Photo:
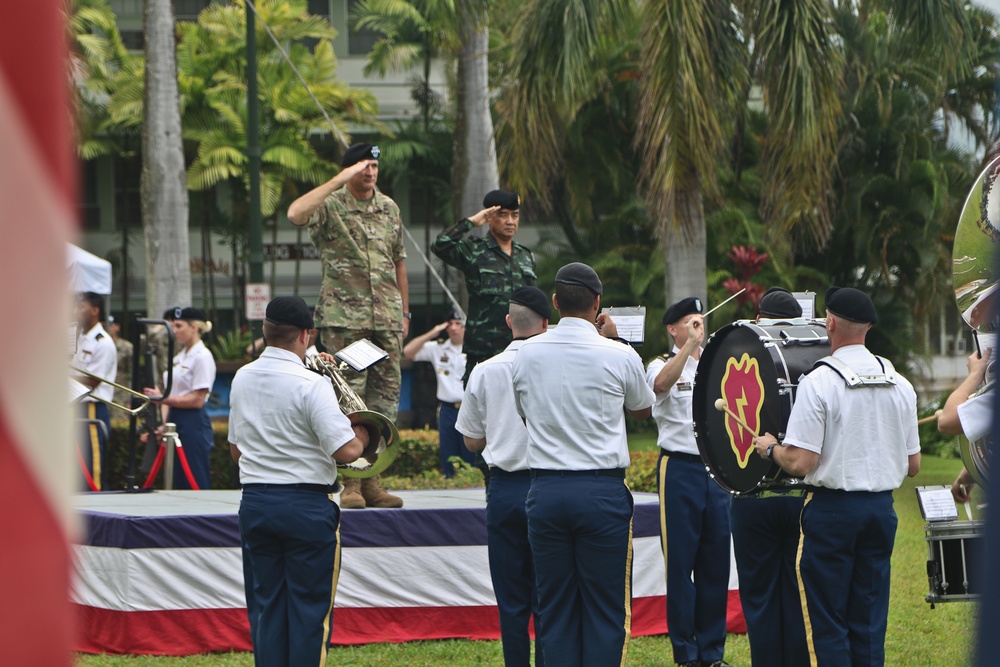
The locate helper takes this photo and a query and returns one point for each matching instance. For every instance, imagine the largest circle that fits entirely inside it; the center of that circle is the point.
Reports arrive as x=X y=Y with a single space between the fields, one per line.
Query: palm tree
x=163 y=190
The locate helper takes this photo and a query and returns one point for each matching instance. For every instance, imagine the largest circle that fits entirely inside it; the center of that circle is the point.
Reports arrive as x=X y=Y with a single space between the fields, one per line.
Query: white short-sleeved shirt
x=96 y=353
x=672 y=409
x=864 y=435
x=488 y=411
x=572 y=385
x=286 y=422
x=194 y=369
x=449 y=367
x=976 y=416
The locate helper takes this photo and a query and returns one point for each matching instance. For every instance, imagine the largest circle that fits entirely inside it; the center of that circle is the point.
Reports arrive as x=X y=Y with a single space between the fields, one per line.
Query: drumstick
x=931 y=418
x=724 y=303
x=721 y=406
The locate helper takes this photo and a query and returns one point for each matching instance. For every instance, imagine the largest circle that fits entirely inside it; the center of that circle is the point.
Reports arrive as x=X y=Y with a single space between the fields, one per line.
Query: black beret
x=676 y=311
x=456 y=315
x=188 y=313
x=501 y=198
x=533 y=298
x=851 y=304
x=359 y=152
x=778 y=302
x=577 y=273
x=289 y=310
x=169 y=313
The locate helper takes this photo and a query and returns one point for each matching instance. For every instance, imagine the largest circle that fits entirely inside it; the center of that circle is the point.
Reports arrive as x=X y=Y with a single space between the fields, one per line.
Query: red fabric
x=36 y=618
x=34 y=63
x=191 y=631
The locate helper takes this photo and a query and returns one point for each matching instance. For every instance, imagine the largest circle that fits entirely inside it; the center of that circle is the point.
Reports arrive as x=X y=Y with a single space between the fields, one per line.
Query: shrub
x=641 y=475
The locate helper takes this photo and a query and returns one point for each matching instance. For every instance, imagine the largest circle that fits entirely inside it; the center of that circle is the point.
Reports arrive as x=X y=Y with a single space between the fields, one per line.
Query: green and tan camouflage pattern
x=359 y=244
x=377 y=387
x=491 y=276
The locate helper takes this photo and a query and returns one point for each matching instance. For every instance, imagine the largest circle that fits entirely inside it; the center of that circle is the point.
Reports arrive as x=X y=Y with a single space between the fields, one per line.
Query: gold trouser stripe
x=333 y=594
x=95 y=445
x=813 y=660
x=662 y=475
x=628 y=592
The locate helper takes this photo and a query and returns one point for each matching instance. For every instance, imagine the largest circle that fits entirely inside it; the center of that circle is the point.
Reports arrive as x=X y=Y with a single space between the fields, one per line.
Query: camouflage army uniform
x=360 y=243
x=491 y=275
x=124 y=377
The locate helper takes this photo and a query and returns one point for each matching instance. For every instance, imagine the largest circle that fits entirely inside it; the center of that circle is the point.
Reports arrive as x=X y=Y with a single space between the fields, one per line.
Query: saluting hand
x=483 y=216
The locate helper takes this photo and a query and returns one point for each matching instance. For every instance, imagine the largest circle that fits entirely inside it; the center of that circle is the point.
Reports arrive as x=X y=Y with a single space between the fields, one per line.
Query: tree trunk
x=475 y=157
x=163 y=189
x=684 y=252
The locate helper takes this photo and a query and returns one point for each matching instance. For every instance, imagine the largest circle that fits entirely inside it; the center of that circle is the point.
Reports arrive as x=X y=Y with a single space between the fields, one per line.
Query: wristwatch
x=770 y=452
x=408 y=316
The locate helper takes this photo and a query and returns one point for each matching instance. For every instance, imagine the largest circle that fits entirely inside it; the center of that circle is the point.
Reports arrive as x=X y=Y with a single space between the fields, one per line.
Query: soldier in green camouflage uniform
x=359 y=233
x=124 y=377
x=494 y=267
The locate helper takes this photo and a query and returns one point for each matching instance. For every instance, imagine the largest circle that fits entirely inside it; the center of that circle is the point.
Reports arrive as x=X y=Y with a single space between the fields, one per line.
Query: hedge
x=415 y=467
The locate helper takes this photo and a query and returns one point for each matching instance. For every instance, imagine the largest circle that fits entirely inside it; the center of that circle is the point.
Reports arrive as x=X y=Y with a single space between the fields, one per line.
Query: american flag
x=37 y=188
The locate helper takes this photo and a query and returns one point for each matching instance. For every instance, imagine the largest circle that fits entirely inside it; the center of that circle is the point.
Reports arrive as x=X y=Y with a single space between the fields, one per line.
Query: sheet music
x=630 y=322
x=362 y=354
x=937 y=503
x=808 y=302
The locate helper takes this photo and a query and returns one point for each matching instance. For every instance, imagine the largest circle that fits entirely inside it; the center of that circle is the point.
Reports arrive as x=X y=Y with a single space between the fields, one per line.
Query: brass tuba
x=382 y=433
x=977 y=290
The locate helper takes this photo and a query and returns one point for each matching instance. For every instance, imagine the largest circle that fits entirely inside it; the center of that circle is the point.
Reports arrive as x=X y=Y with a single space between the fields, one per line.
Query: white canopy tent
x=87 y=272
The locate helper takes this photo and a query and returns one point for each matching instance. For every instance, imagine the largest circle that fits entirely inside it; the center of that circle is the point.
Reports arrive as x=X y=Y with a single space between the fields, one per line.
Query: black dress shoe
x=690 y=663
x=717 y=663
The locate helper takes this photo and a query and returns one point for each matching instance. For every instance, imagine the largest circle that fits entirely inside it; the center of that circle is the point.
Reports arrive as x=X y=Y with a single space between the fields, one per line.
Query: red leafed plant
x=748 y=262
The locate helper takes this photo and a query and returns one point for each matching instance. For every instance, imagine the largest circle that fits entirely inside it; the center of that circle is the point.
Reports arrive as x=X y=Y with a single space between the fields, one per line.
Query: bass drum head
x=736 y=367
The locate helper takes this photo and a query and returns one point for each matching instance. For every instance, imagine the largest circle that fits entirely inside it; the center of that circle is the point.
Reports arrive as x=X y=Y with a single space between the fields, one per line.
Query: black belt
x=452 y=404
x=500 y=472
x=618 y=473
x=322 y=488
x=690 y=458
x=774 y=492
x=842 y=492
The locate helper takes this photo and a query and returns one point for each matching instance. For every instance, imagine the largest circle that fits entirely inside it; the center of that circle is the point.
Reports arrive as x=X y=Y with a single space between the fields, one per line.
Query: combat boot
x=350 y=497
x=375 y=496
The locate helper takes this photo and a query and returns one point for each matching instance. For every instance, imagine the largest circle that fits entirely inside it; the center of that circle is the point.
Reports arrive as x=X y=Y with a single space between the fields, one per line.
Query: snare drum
x=953 y=558
x=755 y=368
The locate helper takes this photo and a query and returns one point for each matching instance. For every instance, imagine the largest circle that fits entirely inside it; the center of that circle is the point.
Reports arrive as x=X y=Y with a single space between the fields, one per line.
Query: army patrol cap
x=778 y=302
x=851 y=304
x=501 y=198
x=676 y=311
x=577 y=273
x=533 y=298
x=359 y=152
x=290 y=310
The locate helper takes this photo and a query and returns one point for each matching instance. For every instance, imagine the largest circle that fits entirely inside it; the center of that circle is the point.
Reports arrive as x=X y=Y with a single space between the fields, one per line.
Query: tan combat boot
x=350 y=497
x=375 y=495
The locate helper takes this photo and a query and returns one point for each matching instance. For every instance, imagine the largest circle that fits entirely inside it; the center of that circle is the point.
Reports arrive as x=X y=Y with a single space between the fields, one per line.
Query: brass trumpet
x=382 y=433
x=132 y=411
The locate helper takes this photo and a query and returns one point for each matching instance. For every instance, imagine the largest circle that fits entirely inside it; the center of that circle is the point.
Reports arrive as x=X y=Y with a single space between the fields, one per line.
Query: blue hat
x=676 y=311
x=359 y=152
x=290 y=310
x=533 y=298
x=851 y=304
x=577 y=273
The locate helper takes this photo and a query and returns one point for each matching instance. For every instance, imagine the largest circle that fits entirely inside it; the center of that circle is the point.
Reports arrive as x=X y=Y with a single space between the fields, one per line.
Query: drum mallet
x=931 y=418
x=721 y=406
x=724 y=303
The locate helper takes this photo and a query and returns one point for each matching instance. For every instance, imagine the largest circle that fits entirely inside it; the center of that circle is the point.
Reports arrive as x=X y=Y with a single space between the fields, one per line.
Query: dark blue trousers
x=194 y=428
x=94 y=444
x=766 y=542
x=511 y=566
x=292 y=537
x=847 y=540
x=451 y=441
x=694 y=518
x=580 y=531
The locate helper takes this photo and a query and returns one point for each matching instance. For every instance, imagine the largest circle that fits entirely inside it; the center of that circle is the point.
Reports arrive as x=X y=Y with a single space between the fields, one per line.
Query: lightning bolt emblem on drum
x=743 y=391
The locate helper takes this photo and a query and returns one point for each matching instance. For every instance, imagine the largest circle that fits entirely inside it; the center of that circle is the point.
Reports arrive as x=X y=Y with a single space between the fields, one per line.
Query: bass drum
x=754 y=367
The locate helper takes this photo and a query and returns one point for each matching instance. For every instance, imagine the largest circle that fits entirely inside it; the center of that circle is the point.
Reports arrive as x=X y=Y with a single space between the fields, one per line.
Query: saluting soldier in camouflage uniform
x=359 y=234
x=494 y=267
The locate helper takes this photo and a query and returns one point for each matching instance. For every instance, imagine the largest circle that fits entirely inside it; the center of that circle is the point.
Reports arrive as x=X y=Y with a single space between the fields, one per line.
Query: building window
x=359 y=42
x=319 y=8
x=188 y=10
x=128 y=202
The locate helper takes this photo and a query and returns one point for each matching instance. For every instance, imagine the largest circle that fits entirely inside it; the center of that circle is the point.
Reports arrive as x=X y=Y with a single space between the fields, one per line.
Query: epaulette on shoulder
x=667 y=357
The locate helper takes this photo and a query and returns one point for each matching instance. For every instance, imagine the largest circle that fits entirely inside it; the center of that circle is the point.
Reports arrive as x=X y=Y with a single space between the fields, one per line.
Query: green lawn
x=918 y=635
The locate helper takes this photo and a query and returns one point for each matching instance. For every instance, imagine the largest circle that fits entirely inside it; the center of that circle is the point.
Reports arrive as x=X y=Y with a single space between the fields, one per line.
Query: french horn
x=976 y=290
x=382 y=433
